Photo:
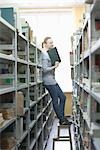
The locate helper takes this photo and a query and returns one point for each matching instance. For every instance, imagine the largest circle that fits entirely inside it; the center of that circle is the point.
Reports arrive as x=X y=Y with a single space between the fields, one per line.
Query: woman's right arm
x=45 y=66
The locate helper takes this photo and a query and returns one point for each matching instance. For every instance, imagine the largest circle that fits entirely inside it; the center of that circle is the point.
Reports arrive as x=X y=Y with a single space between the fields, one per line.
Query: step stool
x=60 y=140
x=63 y=138
x=64 y=127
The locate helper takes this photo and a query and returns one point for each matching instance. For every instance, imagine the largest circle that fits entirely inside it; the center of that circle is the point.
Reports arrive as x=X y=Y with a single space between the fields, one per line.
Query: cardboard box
x=20 y=103
x=7 y=141
x=31 y=35
x=8 y=113
x=68 y=104
x=1 y=120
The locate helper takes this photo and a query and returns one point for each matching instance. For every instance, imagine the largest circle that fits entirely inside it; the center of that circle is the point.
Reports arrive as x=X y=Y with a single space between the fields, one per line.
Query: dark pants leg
x=58 y=99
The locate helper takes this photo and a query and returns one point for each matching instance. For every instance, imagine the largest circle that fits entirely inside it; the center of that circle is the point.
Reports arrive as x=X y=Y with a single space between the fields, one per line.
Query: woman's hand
x=56 y=64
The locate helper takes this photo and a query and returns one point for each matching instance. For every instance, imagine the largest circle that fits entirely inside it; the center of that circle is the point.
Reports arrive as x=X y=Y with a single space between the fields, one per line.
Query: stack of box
x=8 y=113
x=8 y=141
x=20 y=103
x=1 y=120
x=26 y=30
x=96 y=86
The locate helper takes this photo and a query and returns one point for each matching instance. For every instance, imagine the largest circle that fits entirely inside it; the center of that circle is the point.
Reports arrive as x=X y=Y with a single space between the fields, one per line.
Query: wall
x=78 y=16
x=58 y=25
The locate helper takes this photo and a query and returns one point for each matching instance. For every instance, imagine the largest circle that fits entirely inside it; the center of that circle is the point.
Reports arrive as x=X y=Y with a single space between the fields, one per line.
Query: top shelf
x=95 y=6
x=96 y=46
x=6 y=31
x=96 y=142
x=6 y=25
x=88 y=1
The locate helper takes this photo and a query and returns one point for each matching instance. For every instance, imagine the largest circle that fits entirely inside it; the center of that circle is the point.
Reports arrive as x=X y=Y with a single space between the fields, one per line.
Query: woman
x=57 y=95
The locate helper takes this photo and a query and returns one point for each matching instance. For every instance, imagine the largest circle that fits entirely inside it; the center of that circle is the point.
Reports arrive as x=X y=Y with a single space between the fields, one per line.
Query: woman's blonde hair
x=46 y=39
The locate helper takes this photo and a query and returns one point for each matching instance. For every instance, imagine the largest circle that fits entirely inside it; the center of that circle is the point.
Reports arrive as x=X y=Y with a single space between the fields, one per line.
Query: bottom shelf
x=96 y=143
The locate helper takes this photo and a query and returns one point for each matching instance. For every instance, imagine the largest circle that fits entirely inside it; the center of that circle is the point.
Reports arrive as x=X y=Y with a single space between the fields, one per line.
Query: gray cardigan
x=48 y=74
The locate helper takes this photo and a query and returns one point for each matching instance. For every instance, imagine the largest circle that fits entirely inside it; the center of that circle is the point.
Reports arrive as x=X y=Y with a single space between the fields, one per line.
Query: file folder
x=54 y=55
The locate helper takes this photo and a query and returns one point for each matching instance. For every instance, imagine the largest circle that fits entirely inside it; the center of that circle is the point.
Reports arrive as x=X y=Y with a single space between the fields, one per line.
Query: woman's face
x=49 y=44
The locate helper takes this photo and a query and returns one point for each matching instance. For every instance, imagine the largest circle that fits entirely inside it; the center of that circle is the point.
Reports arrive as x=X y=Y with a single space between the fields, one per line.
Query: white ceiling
x=41 y=3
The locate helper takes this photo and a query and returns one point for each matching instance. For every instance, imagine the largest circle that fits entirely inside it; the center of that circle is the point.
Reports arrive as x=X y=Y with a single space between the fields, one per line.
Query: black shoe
x=65 y=122
x=71 y=121
x=68 y=119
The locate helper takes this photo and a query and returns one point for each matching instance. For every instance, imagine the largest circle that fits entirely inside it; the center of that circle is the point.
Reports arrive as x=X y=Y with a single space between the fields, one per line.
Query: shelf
x=7 y=123
x=39 y=66
x=96 y=95
x=96 y=46
x=22 y=86
x=86 y=72
x=32 y=83
x=81 y=135
x=49 y=115
x=86 y=54
x=86 y=89
x=32 y=144
x=39 y=115
x=96 y=142
x=32 y=64
x=86 y=118
x=95 y=6
x=32 y=103
x=5 y=76
x=5 y=26
x=38 y=134
x=44 y=94
x=25 y=110
x=46 y=106
x=7 y=57
x=21 y=75
x=86 y=20
x=44 y=144
x=33 y=44
x=39 y=82
x=31 y=125
x=22 y=137
x=39 y=98
x=6 y=89
x=89 y=1
x=22 y=61
x=23 y=37
x=95 y=129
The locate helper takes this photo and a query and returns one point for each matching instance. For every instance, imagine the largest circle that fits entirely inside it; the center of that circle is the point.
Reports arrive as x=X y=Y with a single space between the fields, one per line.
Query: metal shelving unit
x=86 y=91
x=23 y=99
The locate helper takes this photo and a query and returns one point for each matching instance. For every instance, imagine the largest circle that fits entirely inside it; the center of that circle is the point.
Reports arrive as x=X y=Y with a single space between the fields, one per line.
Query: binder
x=8 y=15
x=54 y=55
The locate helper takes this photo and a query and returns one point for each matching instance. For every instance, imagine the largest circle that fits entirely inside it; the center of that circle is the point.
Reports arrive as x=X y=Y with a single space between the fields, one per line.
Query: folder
x=54 y=55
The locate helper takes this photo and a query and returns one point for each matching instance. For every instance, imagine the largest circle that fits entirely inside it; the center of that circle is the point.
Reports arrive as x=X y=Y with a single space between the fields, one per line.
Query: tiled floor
x=59 y=145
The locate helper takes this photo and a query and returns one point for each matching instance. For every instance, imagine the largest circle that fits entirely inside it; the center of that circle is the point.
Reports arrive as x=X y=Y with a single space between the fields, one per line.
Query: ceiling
x=41 y=3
